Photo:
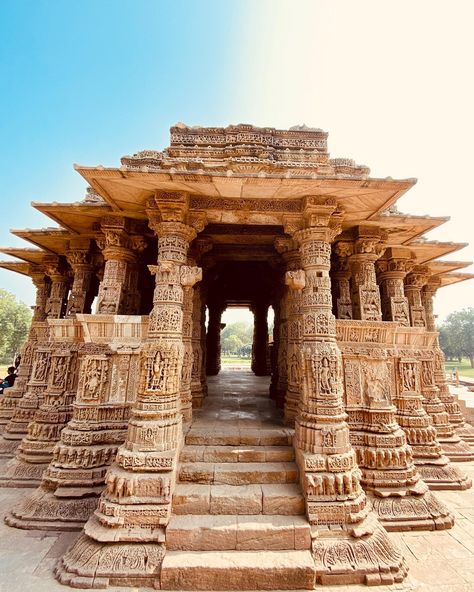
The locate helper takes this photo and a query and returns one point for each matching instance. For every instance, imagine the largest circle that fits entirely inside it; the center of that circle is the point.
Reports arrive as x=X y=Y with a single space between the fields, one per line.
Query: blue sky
x=89 y=81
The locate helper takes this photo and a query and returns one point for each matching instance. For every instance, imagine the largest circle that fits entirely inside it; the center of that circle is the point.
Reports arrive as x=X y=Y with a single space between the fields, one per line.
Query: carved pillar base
x=74 y=479
x=364 y=555
x=93 y=564
x=24 y=413
x=36 y=449
x=452 y=445
x=434 y=468
x=390 y=479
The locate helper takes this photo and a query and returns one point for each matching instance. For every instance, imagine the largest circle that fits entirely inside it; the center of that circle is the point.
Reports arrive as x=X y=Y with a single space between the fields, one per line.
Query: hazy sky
x=90 y=81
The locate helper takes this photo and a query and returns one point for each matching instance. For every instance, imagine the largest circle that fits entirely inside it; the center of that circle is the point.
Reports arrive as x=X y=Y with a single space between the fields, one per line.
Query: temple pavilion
x=181 y=475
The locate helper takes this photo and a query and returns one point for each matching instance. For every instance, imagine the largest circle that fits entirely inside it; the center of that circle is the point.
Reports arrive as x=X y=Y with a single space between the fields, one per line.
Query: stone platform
x=229 y=498
x=439 y=561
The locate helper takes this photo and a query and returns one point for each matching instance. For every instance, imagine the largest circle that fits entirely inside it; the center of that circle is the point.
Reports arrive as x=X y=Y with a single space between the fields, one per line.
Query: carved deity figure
x=408 y=375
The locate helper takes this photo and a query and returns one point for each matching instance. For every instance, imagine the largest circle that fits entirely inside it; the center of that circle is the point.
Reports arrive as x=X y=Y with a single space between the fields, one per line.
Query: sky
x=87 y=82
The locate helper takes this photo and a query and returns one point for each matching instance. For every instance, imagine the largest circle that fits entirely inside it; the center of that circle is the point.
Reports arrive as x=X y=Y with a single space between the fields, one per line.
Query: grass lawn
x=464 y=368
x=233 y=361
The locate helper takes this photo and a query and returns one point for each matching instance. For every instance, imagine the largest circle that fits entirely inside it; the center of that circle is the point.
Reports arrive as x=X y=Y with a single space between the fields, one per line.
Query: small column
x=198 y=374
x=279 y=351
x=341 y=276
x=11 y=396
x=135 y=507
x=392 y=269
x=414 y=282
x=213 y=338
x=118 y=290
x=260 y=339
x=456 y=437
x=365 y=292
x=336 y=505
x=294 y=283
x=79 y=258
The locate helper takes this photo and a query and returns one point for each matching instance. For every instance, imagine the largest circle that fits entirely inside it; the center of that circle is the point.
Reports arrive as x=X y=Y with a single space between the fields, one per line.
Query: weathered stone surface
x=238 y=570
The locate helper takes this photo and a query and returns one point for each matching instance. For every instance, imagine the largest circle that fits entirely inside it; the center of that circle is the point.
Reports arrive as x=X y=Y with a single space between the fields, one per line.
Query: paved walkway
x=439 y=561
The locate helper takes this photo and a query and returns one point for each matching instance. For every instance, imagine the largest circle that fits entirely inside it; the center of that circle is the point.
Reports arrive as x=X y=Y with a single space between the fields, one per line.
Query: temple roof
x=242 y=175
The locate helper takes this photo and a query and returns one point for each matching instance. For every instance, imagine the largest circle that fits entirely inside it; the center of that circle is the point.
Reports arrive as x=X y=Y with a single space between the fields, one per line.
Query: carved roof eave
x=440 y=267
x=83 y=210
x=427 y=251
x=17 y=266
x=139 y=185
x=53 y=240
x=26 y=254
x=448 y=279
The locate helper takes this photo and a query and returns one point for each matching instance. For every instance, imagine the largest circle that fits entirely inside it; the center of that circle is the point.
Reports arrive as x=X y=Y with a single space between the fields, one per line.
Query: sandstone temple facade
x=116 y=429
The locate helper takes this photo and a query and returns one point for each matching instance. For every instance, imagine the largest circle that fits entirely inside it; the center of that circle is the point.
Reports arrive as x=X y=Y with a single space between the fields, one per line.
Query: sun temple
x=180 y=475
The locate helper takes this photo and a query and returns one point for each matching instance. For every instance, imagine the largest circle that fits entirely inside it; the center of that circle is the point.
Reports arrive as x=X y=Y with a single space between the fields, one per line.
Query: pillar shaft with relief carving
x=336 y=504
x=136 y=504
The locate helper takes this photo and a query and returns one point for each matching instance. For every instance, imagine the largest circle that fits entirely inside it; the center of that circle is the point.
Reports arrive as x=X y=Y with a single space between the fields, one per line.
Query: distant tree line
x=236 y=339
x=15 y=320
x=456 y=335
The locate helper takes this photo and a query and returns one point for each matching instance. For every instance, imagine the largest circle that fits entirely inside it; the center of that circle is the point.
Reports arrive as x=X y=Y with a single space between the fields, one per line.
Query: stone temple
x=183 y=477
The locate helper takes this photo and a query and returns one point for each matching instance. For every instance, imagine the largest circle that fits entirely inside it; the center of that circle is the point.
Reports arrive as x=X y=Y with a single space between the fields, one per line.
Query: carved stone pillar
x=118 y=290
x=290 y=355
x=24 y=413
x=341 y=276
x=279 y=352
x=432 y=465
x=78 y=256
x=414 y=282
x=198 y=375
x=107 y=383
x=392 y=268
x=213 y=338
x=260 y=339
x=365 y=291
x=185 y=395
x=12 y=395
x=336 y=505
x=455 y=435
x=135 y=507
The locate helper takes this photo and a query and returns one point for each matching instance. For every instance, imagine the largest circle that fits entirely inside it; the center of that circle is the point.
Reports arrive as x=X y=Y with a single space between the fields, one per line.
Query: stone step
x=240 y=436
x=237 y=453
x=274 y=498
x=238 y=473
x=238 y=570
x=241 y=533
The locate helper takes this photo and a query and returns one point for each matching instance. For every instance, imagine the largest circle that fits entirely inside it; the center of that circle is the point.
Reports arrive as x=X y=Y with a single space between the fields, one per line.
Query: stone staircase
x=238 y=515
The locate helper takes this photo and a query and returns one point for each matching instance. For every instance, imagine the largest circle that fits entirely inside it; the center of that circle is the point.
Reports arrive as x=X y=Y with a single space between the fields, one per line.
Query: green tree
x=15 y=319
x=457 y=335
x=237 y=337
